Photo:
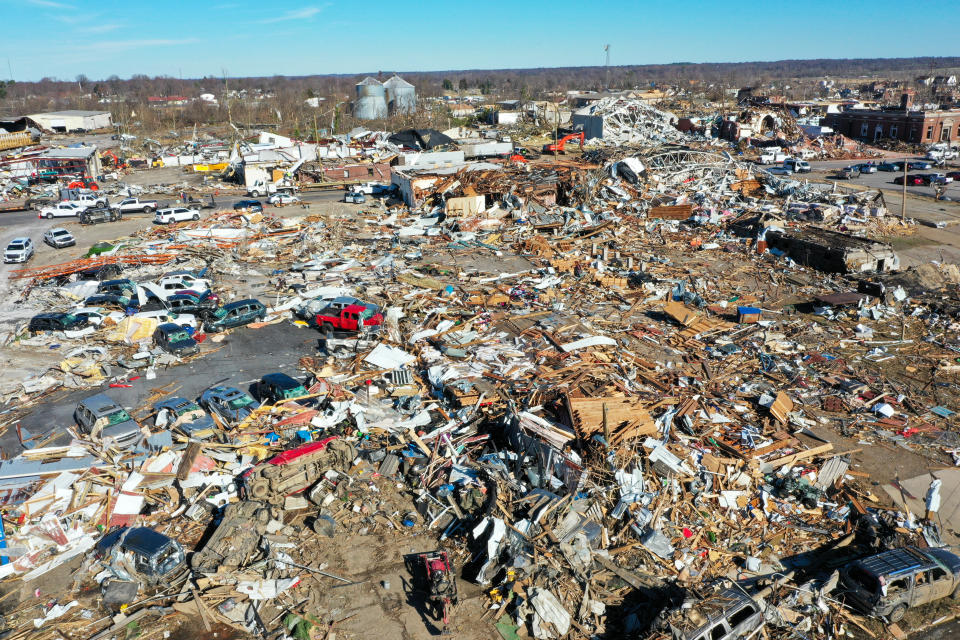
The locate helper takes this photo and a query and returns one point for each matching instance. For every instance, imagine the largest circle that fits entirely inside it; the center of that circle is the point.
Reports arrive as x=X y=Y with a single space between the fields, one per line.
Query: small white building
x=506 y=117
x=72 y=120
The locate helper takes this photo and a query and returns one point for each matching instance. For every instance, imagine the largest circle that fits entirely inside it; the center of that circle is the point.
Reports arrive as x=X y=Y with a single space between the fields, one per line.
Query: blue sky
x=63 y=38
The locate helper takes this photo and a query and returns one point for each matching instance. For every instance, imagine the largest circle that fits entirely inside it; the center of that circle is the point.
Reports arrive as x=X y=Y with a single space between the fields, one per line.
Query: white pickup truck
x=135 y=205
x=90 y=200
x=63 y=210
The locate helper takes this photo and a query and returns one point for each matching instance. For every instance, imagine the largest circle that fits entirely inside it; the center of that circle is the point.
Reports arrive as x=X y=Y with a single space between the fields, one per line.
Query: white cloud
x=100 y=28
x=124 y=45
x=49 y=3
x=298 y=14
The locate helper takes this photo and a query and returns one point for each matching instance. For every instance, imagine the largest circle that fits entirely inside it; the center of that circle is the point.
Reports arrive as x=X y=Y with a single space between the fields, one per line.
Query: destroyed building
x=833 y=251
x=72 y=120
x=585 y=391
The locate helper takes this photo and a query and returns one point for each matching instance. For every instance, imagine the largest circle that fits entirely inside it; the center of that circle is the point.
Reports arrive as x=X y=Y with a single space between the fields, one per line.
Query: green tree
x=463 y=84
x=447 y=85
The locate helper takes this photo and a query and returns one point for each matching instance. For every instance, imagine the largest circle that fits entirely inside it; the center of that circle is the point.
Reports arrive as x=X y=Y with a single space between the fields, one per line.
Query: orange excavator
x=560 y=146
x=117 y=162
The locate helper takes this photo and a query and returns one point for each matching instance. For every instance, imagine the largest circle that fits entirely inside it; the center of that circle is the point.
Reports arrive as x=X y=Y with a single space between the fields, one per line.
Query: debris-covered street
x=391 y=384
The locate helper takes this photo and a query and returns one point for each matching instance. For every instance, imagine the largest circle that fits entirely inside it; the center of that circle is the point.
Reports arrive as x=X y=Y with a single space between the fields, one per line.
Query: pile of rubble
x=628 y=122
x=635 y=405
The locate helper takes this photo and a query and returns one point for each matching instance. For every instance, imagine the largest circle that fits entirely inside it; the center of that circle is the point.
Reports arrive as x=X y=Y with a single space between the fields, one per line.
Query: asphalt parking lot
x=884 y=179
x=243 y=357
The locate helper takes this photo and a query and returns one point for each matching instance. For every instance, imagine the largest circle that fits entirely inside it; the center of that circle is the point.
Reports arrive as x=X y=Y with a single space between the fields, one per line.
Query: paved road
x=243 y=358
x=884 y=179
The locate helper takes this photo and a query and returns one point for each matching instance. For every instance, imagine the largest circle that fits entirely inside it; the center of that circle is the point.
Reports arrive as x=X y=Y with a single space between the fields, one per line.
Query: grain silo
x=401 y=95
x=371 y=102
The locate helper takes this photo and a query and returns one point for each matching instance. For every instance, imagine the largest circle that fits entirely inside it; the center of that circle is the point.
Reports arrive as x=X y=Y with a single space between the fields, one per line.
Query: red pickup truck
x=348 y=318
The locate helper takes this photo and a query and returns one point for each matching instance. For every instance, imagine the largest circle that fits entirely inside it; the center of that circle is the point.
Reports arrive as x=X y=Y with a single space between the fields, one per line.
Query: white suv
x=175 y=214
x=19 y=250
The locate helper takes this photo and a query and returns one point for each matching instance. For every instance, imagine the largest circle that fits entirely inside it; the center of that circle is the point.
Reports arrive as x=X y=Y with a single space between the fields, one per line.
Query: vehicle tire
x=49 y=216
x=259 y=489
x=196 y=216
x=148 y=210
x=898 y=612
x=255 y=194
x=327 y=328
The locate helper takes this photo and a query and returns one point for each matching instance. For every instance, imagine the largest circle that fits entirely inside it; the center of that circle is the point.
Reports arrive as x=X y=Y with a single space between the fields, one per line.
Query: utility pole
x=903 y=203
x=606 y=49
x=226 y=95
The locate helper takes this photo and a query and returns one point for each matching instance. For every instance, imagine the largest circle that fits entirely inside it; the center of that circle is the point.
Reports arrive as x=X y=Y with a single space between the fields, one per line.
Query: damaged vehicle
x=186 y=415
x=888 y=583
x=230 y=404
x=136 y=558
x=235 y=314
x=101 y=417
x=279 y=387
x=56 y=322
x=236 y=541
x=297 y=469
x=727 y=614
x=175 y=340
x=186 y=303
x=350 y=318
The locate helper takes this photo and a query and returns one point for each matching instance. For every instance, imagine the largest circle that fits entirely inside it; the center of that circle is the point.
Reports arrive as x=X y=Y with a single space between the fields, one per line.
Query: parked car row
x=102 y=417
x=927 y=179
x=20 y=250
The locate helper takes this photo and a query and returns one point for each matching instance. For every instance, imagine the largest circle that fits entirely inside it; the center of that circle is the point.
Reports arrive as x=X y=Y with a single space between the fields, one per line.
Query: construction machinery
x=117 y=162
x=84 y=182
x=442 y=583
x=522 y=154
x=560 y=146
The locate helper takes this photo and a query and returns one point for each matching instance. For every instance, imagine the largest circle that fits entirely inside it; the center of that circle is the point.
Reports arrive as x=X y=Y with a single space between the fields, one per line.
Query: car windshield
x=15 y=246
x=60 y=234
x=187 y=407
x=70 y=318
x=296 y=392
x=219 y=313
x=240 y=402
x=179 y=336
x=117 y=417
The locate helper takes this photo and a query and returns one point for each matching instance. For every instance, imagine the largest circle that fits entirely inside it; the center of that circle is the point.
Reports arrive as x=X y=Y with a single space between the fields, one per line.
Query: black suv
x=201 y=306
x=100 y=214
x=174 y=339
x=277 y=387
x=56 y=322
x=153 y=557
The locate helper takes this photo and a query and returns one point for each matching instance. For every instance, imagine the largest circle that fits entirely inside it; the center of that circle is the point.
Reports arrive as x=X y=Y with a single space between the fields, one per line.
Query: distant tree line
x=281 y=100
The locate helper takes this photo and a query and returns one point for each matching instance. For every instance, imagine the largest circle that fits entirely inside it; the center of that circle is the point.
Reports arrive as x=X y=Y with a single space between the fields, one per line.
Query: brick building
x=900 y=124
